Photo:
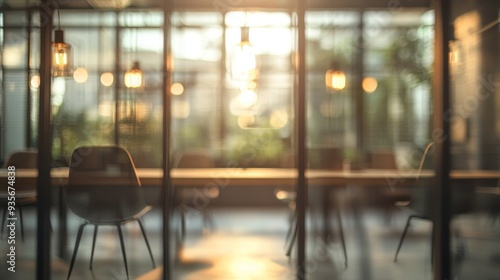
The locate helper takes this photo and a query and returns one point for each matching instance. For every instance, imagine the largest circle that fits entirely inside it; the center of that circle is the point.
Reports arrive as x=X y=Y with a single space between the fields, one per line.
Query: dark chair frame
x=24 y=159
x=85 y=190
x=420 y=203
x=194 y=158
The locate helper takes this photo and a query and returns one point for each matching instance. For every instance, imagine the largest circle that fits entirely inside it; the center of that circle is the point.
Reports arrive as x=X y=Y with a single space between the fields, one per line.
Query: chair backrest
x=462 y=197
x=103 y=186
x=26 y=159
x=197 y=158
x=421 y=199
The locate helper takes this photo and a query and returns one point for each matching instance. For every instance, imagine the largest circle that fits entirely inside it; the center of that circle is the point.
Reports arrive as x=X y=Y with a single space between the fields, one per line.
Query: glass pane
x=85 y=19
x=141 y=19
x=368 y=127
x=241 y=127
x=14 y=49
x=397 y=82
x=193 y=18
x=474 y=124
x=84 y=115
x=17 y=196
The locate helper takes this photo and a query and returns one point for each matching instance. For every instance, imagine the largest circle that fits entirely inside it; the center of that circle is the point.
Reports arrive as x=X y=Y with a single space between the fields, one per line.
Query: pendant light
x=62 y=56
x=244 y=59
x=134 y=77
x=335 y=78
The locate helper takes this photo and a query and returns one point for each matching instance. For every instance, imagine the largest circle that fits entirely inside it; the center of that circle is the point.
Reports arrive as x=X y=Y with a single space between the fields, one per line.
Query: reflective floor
x=248 y=244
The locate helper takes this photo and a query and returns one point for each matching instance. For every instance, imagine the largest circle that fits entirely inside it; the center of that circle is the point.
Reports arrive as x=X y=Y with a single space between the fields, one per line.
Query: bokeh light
x=369 y=84
x=80 y=75
x=177 y=89
x=107 y=79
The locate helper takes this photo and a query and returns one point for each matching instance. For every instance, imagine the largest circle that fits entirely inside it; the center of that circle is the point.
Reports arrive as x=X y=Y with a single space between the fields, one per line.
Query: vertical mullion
x=441 y=230
x=358 y=94
x=118 y=30
x=44 y=144
x=166 y=190
x=28 y=76
x=301 y=198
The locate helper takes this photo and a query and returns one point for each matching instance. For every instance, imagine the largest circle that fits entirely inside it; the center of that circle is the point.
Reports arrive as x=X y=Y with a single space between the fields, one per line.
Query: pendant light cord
x=58 y=18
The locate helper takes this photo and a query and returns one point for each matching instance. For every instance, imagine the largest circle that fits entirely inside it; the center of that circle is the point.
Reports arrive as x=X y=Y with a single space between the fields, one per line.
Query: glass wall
x=234 y=82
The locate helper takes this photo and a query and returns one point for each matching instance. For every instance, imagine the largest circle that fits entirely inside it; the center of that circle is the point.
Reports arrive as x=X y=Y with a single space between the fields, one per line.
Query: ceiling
x=221 y=5
x=82 y=4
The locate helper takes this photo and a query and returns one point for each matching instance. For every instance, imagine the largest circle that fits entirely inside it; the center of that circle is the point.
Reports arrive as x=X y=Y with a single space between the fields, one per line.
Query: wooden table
x=230 y=176
x=252 y=177
x=266 y=176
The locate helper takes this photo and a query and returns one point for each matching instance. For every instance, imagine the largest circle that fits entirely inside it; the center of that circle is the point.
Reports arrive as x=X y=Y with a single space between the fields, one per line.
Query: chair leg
x=290 y=229
x=292 y=241
x=93 y=246
x=403 y=237
x=120 y=233
x=208 y=221
x=75 y=250
x=147 y=242
x=461 y=246
x=432 y=249
x=183 y=225
x=341 y=233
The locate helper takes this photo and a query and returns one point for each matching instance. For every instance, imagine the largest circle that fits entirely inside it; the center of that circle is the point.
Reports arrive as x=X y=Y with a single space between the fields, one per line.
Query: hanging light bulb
x=335 y=79
x=134 y=77
x=62 y=57
x=244 y=59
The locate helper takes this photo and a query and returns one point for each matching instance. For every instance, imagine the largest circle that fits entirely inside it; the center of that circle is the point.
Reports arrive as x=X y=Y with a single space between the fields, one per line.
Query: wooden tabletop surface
x=267 y=176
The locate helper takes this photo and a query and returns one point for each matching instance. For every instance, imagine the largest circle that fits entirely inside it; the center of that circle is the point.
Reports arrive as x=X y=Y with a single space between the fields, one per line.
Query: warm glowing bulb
x=133 y=77
x=61 y=58
x=338 y=80
x=62 y=61
x=244 y=62
x=335 y=79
